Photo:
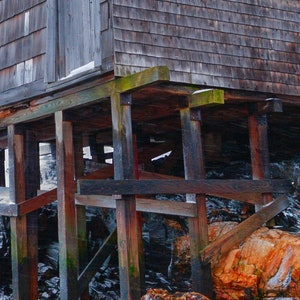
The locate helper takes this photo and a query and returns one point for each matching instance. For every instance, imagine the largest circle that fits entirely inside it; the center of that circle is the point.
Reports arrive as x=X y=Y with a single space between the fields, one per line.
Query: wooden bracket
x=270 y=105
x=206 y=97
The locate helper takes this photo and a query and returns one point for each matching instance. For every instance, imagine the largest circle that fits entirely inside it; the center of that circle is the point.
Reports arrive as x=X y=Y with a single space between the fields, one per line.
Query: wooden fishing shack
x=127 y=74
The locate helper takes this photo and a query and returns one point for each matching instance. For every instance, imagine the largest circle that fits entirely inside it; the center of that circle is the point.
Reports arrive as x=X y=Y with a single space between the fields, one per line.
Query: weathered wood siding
x=45 y=41
x=22 y=42
x=247 y=44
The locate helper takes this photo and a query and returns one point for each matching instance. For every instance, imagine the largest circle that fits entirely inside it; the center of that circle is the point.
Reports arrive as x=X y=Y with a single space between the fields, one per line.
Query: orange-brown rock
x=160 y=294
x=265 y=265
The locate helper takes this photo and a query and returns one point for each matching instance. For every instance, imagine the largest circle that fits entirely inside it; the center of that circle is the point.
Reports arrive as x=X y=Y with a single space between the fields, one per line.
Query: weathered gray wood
x=127 y=221
x=51 y=42
x=18 y=225
x=259 y=148
x=201 y=186
x=81 y=213
x=194 y=168
x=68 y=251
x=254 y=198
x=96 y=93
x=142 y=205
x=95 y=36
x=101 y=255
x=2 y=169
x=36 y=202
x=32 y=181
x=174 y=31
x=229 y=240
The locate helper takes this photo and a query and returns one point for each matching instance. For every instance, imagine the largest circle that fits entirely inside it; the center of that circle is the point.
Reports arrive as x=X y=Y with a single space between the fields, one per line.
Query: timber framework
x=124 y=113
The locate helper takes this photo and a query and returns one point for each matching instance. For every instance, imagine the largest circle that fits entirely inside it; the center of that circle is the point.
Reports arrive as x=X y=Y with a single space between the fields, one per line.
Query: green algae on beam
x=87 y=96
x=142 y=79
x=206 y=97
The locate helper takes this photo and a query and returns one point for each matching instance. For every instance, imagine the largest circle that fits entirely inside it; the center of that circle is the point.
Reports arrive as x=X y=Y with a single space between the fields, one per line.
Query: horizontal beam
x=167 y=207
x=37 y=202
x=206 y=97
x=235 y=236
x=143 y=187
x=253 y=198
x=102 y=91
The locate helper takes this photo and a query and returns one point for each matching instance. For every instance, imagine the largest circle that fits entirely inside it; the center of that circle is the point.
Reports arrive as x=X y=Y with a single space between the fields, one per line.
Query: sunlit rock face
x=265 y=265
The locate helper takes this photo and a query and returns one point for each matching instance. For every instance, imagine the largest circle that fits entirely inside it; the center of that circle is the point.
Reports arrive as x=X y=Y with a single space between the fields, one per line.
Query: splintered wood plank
x=68 y=252
x=18 y=225
x=90 y=95
x=127 y=221
x=99 y=258
x=199 y=186
x=194 y=168
x=231 y=239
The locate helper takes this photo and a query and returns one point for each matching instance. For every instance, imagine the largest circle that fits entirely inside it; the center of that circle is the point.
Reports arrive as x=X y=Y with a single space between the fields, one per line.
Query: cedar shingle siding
x=250 y=44
x=22 y=42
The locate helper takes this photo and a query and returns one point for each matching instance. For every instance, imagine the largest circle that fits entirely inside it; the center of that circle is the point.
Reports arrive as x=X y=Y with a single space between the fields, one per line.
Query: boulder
x=265 y=265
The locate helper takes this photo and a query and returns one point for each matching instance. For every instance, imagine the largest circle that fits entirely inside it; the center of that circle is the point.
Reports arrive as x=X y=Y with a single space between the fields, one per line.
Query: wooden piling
x=18 y=225
x=68 y=251
x=32 y=181
x=127 y=221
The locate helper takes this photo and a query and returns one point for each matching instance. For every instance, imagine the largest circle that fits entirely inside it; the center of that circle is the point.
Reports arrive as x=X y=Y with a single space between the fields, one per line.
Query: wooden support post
x=139 y=217
x=18 y=225
x=2 y=167
x=81 y=212
x=198 y=228
x=127 y=222
x=68 y=252
x=194 y=169
x=32 y=181
x=258 y=136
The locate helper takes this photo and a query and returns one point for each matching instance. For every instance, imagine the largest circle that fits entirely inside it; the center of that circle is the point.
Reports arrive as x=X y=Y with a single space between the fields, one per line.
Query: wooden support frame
x=68 y=251
x=18 y=225
x=89 y=271
x=142 y=205
x=193 y=157
x=97 y=93
x=124 y=187
x=32 y=182
x=2 y=168
x=127 y=221
x=196 y=186
x=81 y=214
x=258 y=136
